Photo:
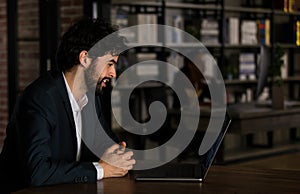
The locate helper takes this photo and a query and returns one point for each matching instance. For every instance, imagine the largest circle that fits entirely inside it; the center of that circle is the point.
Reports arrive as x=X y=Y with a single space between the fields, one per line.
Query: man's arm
x=44 y=170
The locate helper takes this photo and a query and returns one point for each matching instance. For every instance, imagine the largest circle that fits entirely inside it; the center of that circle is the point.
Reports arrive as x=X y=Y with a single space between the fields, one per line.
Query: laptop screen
x=209 y=156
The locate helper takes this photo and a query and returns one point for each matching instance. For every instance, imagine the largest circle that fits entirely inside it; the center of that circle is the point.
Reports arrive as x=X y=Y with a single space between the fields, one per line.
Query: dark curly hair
x=84 y=35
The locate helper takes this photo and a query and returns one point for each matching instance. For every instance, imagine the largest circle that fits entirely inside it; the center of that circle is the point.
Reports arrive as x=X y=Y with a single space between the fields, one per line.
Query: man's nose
x=112 y=72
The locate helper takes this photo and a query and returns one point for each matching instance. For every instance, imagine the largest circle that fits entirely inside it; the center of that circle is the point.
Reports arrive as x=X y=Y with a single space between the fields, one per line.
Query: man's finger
x=127 y=163
x=127 y=155
x=122 y=147
x=113 y=148
x=123 y=144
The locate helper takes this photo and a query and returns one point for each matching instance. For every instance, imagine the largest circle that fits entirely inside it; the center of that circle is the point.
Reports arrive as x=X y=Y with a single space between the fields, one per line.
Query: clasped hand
x=116 y=161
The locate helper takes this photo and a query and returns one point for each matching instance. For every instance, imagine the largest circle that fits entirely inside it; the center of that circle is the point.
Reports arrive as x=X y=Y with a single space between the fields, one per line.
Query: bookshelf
x=276 y=15
x=245 y=13
x=262 y=21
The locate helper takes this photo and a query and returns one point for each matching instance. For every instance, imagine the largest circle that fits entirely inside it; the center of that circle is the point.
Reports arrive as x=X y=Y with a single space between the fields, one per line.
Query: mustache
x=99 y=91
x=102 y=80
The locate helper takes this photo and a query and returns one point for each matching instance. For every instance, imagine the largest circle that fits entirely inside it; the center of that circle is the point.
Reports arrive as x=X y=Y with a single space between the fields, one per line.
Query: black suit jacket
x=40 y=147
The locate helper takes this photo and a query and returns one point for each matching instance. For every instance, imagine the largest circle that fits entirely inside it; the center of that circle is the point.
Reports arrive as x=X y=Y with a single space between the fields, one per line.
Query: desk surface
x=221 y=179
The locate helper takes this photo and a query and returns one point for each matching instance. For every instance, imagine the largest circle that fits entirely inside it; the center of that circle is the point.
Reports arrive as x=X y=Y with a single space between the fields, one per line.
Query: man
x=43 y=145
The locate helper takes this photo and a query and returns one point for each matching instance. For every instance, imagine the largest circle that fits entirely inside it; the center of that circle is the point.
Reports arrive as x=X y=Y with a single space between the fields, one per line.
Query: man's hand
x=116 y=162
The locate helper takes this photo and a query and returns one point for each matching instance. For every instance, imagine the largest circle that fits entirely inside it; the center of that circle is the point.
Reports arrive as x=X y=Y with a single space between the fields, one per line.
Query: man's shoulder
x=45 y=86
x=44 y=83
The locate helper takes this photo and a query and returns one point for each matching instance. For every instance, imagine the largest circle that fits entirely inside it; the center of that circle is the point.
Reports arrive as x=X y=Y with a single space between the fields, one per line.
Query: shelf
x=292 y=79
x=288 y=45
x=157 y=47
x=136 y=3
x=247 y=10
x=238 y=82
x=238 y=46
x=178 y=5
x=152 y=46
x=282 y=13
x=145 y=44
x=169 y=5
x=183 y=45
x=145 y=85
x=191 y=45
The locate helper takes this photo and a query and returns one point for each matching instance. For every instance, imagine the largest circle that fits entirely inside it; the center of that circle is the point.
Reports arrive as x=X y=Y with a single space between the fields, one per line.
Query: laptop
x=189 y=172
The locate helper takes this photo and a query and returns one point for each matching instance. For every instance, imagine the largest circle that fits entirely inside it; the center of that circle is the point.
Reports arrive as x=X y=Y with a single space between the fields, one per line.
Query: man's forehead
x=109 y=57
x=107 y=53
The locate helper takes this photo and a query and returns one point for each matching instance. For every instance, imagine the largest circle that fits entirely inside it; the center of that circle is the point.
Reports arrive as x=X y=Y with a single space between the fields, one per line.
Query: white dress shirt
x=77 y=106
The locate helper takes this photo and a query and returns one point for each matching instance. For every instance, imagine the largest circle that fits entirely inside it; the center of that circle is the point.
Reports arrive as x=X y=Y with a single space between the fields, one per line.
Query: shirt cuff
x=99 y=170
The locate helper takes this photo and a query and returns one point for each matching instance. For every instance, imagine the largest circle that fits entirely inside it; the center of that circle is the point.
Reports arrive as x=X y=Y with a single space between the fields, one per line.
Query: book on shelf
x=176 y=60
x=232 y=31
x=247 y=66
x=286 y=5
x=249 y=32
x=295 y=31
x=119 y=17
x=252 y=32
x=147 y=66
x=284 y=67
x=297 y=26
x=263 y=26
x=209 y=31
x=175 y=19
x=292 y=5
x=178 y=23
x=147 y=33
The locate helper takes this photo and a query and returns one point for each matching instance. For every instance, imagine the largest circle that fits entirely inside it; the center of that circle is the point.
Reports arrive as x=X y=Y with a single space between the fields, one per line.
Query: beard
x=98 y=87
x=91 y=81
x=94 y=85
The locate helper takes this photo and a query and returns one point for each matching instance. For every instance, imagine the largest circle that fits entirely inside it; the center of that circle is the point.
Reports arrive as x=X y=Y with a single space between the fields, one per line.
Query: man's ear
x=83 y=58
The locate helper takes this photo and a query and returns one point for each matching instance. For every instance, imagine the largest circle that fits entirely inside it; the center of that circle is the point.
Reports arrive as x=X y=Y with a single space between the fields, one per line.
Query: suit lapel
x=61 y=87
x=62 y=90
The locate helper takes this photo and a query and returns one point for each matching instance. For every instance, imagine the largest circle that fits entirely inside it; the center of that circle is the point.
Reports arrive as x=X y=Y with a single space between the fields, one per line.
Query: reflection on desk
x=220 y=179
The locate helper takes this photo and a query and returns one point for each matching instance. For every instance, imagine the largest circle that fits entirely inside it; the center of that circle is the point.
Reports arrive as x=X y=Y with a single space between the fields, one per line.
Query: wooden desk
x=221 y=179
